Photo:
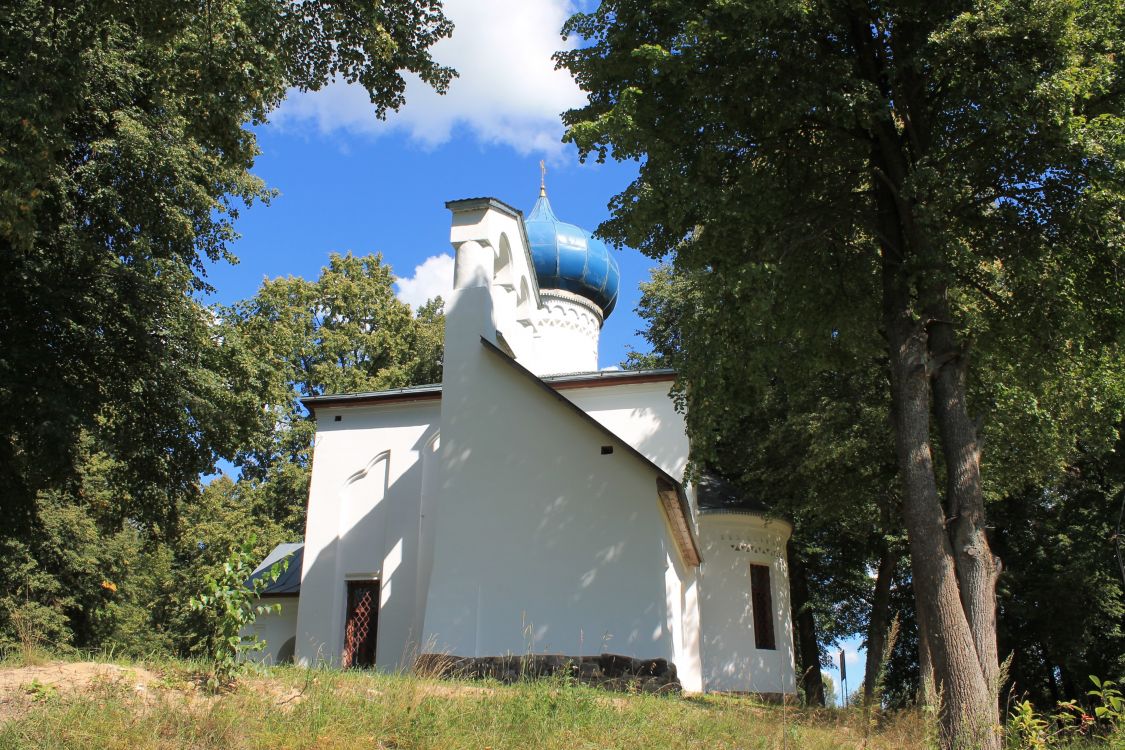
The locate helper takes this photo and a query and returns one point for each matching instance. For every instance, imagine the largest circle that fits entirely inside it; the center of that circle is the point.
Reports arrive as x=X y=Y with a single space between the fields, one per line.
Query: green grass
x=296 y=708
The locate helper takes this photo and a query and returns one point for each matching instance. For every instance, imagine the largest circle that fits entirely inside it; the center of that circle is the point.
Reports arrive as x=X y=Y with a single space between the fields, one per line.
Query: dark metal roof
x=713 y=494
x=289 y=582
x=413 y=393
x=470 y=204
x=609 y=376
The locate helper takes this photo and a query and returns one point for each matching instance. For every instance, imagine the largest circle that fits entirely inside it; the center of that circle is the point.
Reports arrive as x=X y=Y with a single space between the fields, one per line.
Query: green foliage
x=1061 y=596
x=229 y=606
x=40 y=693
x=759 y=186
x=1070 y=726
x=933 y=190
x=812 y=447
x=126 y=145
x=84 y=574
x=1111 y=710
x=58 y=578
x=1026 y=729
x=125 y=150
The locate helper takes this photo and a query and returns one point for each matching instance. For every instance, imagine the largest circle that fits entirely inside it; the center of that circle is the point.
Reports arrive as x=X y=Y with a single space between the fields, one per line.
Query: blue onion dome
x=570 y=258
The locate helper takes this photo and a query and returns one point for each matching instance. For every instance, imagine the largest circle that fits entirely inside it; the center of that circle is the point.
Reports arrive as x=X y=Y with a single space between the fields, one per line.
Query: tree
x=346 y=332
x=938 y=182
x=125 y=149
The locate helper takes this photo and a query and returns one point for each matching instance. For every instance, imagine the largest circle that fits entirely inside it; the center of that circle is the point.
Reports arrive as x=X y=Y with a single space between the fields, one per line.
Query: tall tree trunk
x=977 y=567
x=967 y=709
x=878 y=622
x=898 y=139
x=807 y=647
x=926 y=690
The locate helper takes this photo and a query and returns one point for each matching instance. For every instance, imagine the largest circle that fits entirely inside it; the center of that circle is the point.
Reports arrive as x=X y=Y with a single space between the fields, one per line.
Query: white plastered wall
x=363 y=523
x=542 y=543
x=567 y=331
x=276 y=628
x=641 y=414
x=731 y=543
x=510 y=531
x=492 y=256
x=644 y=416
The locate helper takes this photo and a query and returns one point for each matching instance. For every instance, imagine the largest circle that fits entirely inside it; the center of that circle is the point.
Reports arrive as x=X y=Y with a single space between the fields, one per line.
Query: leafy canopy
x=757 y=125
x=125 y=150
x=345 y=332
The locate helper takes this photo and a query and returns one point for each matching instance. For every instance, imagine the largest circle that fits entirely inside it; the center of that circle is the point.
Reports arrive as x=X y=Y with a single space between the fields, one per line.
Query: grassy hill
x=162 y=705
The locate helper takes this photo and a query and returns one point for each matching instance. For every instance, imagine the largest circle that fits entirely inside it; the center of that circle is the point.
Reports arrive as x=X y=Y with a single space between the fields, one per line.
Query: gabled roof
x=289 y=582
x=667 y=486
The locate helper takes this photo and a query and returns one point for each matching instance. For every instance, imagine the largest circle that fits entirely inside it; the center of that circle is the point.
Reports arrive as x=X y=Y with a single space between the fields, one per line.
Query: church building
x=529 y=503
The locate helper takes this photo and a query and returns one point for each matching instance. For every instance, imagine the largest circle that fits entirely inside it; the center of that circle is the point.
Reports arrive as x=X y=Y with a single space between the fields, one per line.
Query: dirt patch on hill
x=23 y=687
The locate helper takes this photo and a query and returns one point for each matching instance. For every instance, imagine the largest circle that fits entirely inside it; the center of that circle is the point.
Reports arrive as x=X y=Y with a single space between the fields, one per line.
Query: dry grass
x=296 y=708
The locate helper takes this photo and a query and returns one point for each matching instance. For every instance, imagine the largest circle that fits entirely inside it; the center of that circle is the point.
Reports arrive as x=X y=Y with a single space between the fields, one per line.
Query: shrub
x=231 y=606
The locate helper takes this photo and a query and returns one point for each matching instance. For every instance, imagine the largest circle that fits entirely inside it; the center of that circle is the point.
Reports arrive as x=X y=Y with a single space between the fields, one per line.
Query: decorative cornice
x=577 y=299
x=754 y=542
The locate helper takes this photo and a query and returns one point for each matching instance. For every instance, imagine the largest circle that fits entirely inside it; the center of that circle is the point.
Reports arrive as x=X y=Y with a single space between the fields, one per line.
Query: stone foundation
x=607 y=671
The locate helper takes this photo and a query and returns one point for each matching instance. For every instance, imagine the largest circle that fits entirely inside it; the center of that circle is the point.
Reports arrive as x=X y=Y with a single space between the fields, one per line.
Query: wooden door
x=361 y=624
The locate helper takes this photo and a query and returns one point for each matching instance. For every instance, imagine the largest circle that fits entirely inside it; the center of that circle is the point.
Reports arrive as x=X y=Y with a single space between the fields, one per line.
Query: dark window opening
x=607 y=449
x=339 y=418
x=762 y=602
x=361 y=624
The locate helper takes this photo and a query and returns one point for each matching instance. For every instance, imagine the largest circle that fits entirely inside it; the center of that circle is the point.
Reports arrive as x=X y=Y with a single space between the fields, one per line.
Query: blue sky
x=349 y=182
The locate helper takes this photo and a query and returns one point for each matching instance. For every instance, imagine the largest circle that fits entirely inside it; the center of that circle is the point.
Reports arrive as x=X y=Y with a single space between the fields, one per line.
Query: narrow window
x=762 y=603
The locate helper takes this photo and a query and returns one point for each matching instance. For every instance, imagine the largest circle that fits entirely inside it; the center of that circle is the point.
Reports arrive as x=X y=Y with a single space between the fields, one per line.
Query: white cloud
x=508 y=91
x=432 y=278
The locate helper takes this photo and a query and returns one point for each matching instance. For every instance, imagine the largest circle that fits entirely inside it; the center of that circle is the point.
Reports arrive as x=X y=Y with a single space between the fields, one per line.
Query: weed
x=1112 y=709
x=39 y=692
x=1027 y=730
x=30 y=635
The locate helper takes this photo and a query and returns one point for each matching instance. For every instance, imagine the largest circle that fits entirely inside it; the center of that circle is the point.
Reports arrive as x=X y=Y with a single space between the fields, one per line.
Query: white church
x=530 y=503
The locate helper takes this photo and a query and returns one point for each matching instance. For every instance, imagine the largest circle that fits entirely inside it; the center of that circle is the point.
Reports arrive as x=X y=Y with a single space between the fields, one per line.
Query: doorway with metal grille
x=361 y=624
